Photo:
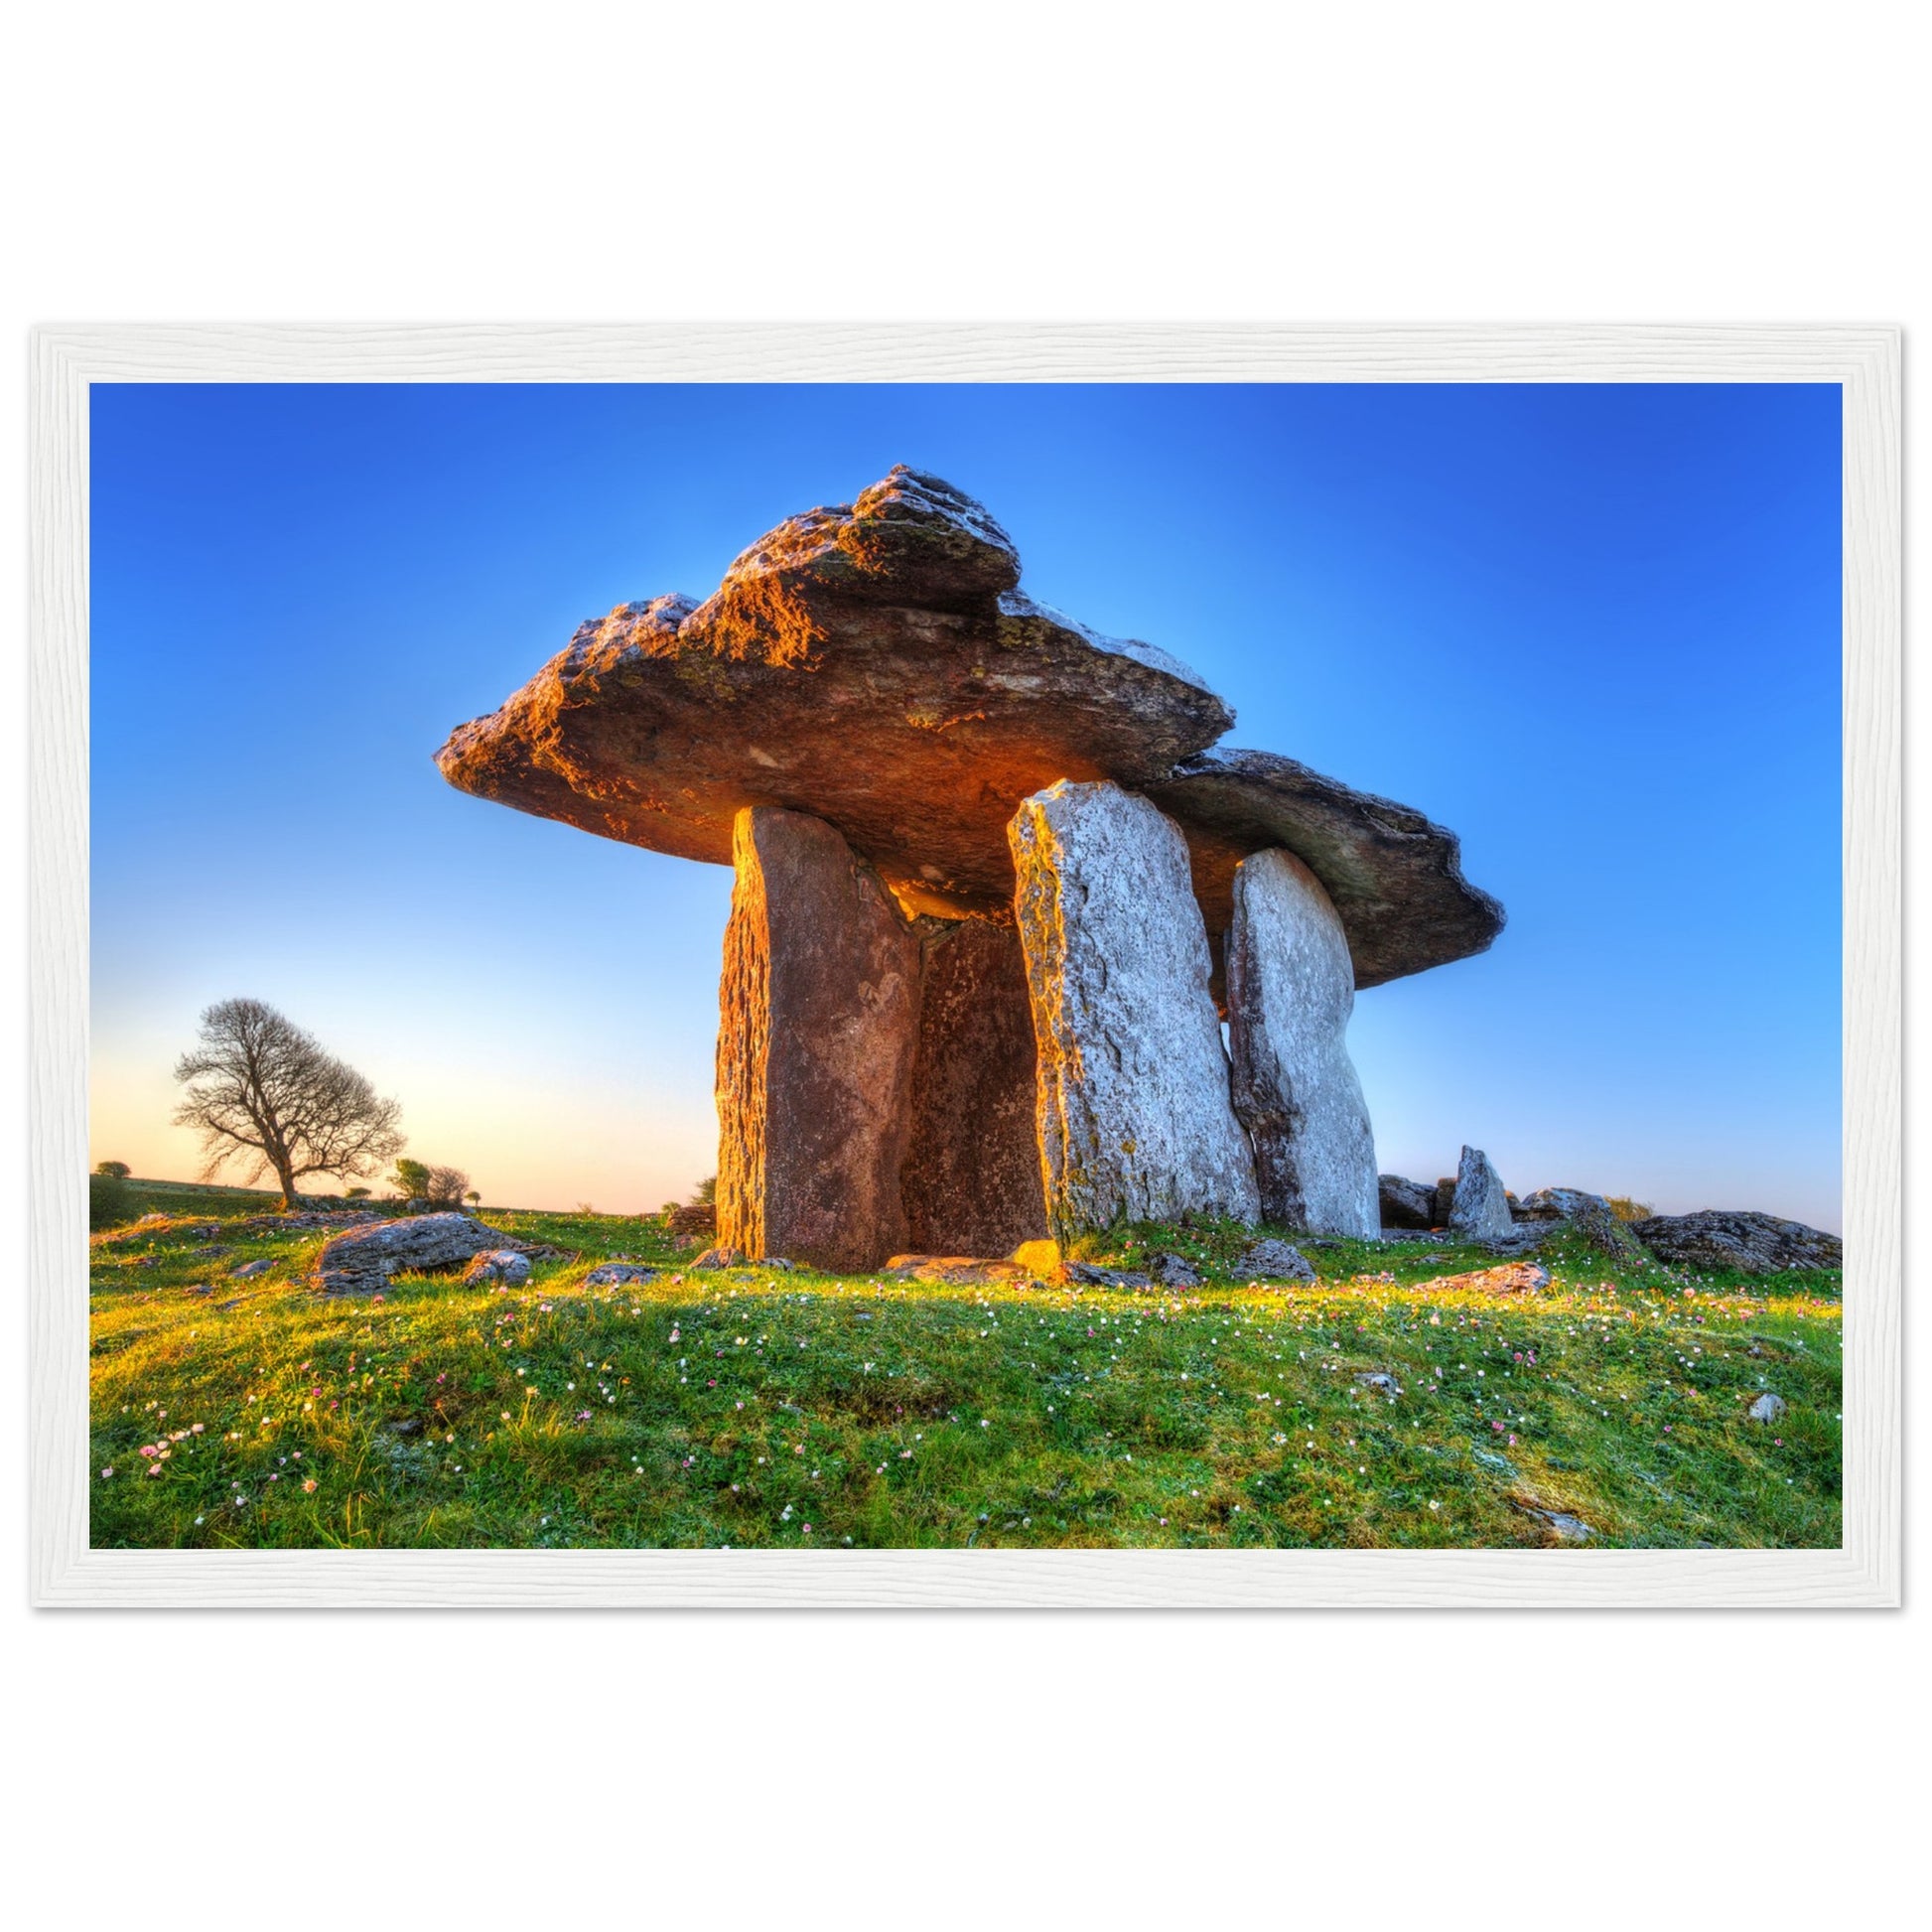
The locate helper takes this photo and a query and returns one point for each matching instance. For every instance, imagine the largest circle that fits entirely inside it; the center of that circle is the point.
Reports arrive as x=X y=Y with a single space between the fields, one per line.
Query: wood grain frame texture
x=1863 y=360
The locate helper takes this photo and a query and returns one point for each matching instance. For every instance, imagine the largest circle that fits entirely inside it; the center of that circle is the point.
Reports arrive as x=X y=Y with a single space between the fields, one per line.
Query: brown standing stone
x=818 y=1026
x=971 y=1183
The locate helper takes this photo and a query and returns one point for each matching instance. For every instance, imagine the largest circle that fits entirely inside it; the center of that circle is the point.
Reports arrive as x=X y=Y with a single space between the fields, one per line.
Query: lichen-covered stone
x=1270 y=1260
x=971 y=1182
x=1134 y=1116
x=1291 y=990
x=1479 y=1210
x=818 y=1026
x=872 y=664
x=362 y=1261
x=499 y=1264
x=1752 y=1244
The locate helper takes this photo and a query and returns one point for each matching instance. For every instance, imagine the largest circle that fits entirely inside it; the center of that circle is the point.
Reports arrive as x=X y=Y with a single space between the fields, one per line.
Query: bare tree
x=445 y=1186
x=262 y=1091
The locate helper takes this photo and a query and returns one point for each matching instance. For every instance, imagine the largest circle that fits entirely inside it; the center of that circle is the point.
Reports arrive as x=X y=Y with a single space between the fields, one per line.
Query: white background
x=1681 y=162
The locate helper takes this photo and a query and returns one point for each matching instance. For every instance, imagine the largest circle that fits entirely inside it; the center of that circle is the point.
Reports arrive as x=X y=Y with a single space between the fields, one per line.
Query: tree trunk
x=285 y=1173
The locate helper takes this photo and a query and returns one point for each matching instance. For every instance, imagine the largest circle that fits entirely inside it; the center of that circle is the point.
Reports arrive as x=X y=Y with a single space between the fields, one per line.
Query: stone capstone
x=970 y=1181
x=1290 y=993
x=1133 y=1116
x=1752 y=1244
x=362 y=1261
x=1479 y=1210
x=1394 y=878
x=818 y=1027
x=874 y=664
x=1405 y=1203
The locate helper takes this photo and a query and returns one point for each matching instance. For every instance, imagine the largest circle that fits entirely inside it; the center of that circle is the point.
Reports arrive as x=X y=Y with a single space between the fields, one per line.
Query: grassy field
x=760 y=1408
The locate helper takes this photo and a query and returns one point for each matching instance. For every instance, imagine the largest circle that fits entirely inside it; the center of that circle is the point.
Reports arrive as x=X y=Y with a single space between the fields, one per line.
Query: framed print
x=662 y=975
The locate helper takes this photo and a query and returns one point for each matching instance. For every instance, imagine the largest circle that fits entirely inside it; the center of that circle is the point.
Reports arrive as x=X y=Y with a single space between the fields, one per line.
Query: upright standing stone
x=1134 y=1115
x=1291 y=990
x=1479 y=1208
x=971 y=1180
x=818 y=1026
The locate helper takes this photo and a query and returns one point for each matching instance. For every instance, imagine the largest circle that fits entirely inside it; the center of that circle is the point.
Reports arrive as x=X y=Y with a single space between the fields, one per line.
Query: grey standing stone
x=1132 y=1107
x=1479 y=1210
x=1290 y=991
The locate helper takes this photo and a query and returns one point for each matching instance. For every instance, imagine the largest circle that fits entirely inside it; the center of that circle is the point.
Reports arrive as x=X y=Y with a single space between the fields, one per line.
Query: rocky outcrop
x=1590 y=1214
x=1290 y=993
x=818 y=1026
x=971 y=1182
x=1134 y=1116
x=1717 y=1240
x=1394 y=878
x=874 y=664
x=1405 y=1203
x=1479 y=1210
x=362 y=1261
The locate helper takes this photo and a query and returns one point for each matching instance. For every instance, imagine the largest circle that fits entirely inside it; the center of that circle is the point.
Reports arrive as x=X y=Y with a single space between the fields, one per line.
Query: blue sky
x=1593 y=629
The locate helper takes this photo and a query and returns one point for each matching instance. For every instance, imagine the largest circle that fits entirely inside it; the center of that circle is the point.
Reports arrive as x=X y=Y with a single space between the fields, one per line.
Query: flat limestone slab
x=1291 y=990
x=1134 y=1116
x=874 y=664
x=1394 y=876
x=818 y=1026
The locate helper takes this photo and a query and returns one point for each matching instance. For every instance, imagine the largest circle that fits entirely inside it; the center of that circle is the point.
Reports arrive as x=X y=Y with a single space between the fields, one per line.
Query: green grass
x=740 y=1408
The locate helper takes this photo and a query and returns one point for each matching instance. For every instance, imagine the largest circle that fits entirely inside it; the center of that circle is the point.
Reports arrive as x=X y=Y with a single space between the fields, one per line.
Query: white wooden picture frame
x=1865 y=1570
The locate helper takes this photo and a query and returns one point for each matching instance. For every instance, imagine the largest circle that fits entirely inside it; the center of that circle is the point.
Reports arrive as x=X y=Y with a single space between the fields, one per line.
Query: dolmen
x=1017 y=949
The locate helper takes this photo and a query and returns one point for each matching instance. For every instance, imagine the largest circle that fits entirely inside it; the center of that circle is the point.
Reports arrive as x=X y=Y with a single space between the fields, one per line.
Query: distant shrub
x=411 y=1179
x=582 y=1208
x=445 y=1187
x=1626 y=1209
x=357 y=1194
x=111 y=1202
x=113 y=1170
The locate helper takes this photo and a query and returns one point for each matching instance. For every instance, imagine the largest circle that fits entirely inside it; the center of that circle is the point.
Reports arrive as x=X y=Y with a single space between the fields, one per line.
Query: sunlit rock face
x=1290 y=990
x=1134 y=1116
x=818 y=1027
x=971 y=1182
x=872 y=664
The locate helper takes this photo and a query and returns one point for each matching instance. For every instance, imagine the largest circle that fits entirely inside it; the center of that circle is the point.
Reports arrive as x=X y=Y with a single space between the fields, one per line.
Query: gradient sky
x=1593 y=629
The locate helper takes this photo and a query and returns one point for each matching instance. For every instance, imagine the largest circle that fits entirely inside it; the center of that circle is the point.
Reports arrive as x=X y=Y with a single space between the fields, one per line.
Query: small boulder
x=1767 y=1408
x=248 y=1268
x=1516 y=1278
x=1269 y=1260
x=954 y=1270
x=363 y=1260
x=618 y=1274
x=1405 y=1203
x=720 y=1258
x=499 y=1264
x=1478 y=1206
x=1381 y=1381
x=1751 y=1244
x=1173 y=1271
x=1092 y=1274
x=1590 y=1214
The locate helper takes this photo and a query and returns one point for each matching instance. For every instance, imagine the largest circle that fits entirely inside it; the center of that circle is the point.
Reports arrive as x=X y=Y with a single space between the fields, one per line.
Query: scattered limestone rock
x=1752 y=1244
x=1381 y=1381
x=694 y=1217
x=1566 y=1527
x=1269 y=1260
x=619 y=1274
x=1590 y=1214
x=1091 y=1275
x=1767 y=1408
x=248 y=1268
x=1477 y=1208
x=1290 y=988
x=362 y=1261
x=499 y=1264
x=721 y=1257
x=1405 y=1203
x=1514 y=1278
x=1134 y=1116
x=954 y=1270
x=1173 y=1271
